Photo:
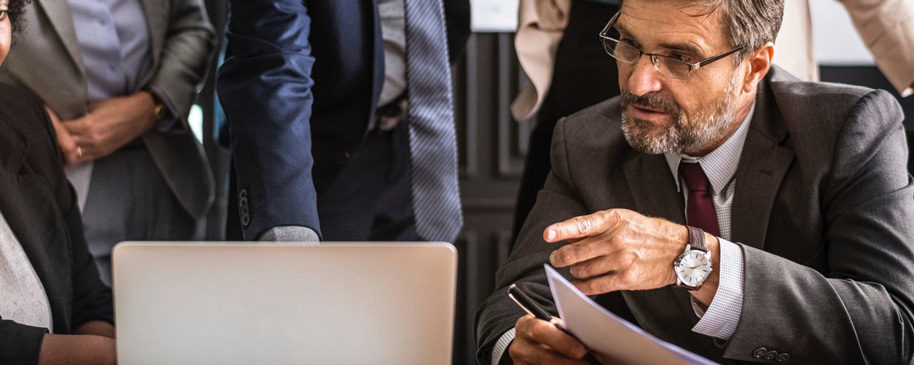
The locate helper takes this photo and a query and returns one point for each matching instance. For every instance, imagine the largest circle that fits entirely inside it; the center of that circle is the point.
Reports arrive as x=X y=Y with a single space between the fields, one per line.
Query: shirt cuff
x=499 y=349
x=722 y=316
x=289 y=234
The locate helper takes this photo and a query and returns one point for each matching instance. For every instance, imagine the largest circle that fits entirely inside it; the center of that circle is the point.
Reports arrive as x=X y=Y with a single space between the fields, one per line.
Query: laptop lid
x=235 y=303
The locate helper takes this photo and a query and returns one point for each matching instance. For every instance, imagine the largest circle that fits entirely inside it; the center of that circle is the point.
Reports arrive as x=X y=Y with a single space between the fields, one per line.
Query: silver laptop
x=233 y=303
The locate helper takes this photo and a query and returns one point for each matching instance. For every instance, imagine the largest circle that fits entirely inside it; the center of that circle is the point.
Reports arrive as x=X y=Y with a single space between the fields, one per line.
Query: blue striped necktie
x=432 y=138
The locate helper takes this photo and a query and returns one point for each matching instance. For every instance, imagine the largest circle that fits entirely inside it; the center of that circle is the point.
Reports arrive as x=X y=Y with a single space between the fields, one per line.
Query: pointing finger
x=582 y=226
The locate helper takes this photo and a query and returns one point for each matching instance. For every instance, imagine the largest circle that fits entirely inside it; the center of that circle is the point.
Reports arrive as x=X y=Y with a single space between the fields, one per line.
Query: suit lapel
x=762 y=167
x=62 y=21
x=653 y=188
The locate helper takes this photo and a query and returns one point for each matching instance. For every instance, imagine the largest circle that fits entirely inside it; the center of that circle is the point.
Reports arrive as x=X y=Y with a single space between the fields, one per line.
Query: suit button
x=770 y=355
x=342 y=158
x=783 y=357
x=244 y=209
x=759 y=352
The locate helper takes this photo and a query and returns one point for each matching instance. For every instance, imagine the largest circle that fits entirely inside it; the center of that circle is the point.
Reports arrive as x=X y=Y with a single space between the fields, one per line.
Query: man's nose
x=644 y=78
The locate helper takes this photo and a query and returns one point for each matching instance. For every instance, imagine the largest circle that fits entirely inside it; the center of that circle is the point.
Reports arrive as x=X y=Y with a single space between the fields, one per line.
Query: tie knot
x=694 y=177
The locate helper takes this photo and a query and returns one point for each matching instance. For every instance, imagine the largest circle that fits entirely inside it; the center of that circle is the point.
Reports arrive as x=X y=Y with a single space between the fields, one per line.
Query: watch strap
x=697 y=239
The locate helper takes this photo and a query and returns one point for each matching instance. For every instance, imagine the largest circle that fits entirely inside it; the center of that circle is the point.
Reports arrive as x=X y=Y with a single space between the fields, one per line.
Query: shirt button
x=759 y=352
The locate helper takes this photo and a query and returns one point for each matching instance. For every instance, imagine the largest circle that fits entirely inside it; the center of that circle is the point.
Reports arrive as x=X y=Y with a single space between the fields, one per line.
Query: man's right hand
x=540 y=342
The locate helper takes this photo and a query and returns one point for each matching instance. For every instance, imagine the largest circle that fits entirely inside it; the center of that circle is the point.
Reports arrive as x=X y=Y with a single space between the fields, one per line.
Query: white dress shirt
x=116 y=53
x=721 y=317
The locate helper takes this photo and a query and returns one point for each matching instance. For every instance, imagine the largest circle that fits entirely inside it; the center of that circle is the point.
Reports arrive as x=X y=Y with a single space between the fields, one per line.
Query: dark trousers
x=129 y=200
x=370 y=200
x=584 y=75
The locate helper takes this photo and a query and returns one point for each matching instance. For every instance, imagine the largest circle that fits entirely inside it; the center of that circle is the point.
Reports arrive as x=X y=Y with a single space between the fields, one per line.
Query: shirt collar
x=719 y=165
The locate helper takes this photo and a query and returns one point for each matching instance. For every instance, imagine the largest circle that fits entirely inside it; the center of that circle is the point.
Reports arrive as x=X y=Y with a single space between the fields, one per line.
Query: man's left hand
x=618 y=249
x=112 y=123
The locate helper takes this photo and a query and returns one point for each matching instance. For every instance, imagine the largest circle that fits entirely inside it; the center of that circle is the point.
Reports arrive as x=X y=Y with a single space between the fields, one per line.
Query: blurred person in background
x=118 y=78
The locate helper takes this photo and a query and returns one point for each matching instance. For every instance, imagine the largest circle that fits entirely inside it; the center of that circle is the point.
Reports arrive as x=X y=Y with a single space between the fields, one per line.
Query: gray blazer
x=46 y=59
x=823 y=212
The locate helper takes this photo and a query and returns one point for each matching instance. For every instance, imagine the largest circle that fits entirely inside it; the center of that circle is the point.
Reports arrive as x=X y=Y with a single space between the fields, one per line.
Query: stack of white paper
x=612 y=339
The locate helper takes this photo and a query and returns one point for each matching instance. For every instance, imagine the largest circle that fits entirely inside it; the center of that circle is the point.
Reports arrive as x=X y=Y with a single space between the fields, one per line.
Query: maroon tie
x=699 y=208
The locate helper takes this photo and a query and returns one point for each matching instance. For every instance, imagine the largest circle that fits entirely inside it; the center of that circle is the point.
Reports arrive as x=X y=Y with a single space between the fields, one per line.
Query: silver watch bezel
x=696 y=238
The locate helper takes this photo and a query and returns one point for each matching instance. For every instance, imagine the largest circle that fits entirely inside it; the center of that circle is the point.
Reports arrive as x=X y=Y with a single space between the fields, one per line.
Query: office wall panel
x=492 y=147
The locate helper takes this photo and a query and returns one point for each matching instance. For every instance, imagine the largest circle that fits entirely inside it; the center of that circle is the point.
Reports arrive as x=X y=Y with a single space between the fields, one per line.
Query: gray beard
x=685 y=133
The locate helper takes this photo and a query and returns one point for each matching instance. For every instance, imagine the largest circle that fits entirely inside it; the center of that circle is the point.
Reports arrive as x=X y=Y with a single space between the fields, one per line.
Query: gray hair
x=750 y=23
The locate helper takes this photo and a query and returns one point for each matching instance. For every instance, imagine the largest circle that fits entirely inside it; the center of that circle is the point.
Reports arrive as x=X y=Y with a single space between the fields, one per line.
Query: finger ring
x=79 y=151
x=583 y=225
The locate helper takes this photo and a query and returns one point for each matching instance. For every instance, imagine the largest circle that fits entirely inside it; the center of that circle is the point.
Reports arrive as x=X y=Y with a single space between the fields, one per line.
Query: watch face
x=693 y=267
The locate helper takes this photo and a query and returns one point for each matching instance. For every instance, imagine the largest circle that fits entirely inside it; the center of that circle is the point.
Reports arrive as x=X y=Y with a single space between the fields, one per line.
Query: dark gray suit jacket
x=823 y=211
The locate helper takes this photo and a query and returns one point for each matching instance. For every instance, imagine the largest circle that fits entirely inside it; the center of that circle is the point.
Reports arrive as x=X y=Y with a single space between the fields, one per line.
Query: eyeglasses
x=674 y=66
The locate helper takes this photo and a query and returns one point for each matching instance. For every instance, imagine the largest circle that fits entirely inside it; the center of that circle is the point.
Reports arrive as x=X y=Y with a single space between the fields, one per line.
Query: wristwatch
x=159 y=110
x=693 y=266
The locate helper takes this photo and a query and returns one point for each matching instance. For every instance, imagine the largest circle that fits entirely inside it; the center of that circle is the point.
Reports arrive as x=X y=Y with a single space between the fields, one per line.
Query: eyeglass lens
x=629 y=54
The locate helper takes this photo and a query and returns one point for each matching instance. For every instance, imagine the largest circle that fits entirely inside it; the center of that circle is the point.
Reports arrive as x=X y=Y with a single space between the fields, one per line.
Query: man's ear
x=759 y=63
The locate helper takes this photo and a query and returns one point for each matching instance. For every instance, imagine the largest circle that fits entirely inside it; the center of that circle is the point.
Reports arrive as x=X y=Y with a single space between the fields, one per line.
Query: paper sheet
x=493 y=15
x=608 y=336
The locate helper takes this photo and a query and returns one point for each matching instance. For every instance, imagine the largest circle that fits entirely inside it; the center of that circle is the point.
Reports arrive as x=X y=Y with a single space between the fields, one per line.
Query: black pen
x=529 y=306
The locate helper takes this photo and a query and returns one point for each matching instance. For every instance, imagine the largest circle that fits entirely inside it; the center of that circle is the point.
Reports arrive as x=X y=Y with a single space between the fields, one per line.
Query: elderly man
x=721 y=204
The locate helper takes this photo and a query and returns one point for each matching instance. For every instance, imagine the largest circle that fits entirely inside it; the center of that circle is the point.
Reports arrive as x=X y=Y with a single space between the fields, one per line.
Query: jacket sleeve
x=21 y=344
x=92 y=298
x=861 y=309
x=189 y=43
x=265 y=88
x=887 y=29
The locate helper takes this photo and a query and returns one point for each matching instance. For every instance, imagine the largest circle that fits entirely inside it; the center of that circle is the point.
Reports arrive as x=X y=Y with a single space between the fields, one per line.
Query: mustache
x=650 y=101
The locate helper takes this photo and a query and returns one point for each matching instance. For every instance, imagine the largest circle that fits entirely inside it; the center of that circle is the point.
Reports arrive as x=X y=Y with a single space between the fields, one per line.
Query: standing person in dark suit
x=54 y=308
x=720 y=203
x=327 y=113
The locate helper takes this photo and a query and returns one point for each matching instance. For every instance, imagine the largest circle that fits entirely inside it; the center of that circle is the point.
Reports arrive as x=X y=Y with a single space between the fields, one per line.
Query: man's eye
x=3 y=14
x=629 y=42
x=680 y=57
